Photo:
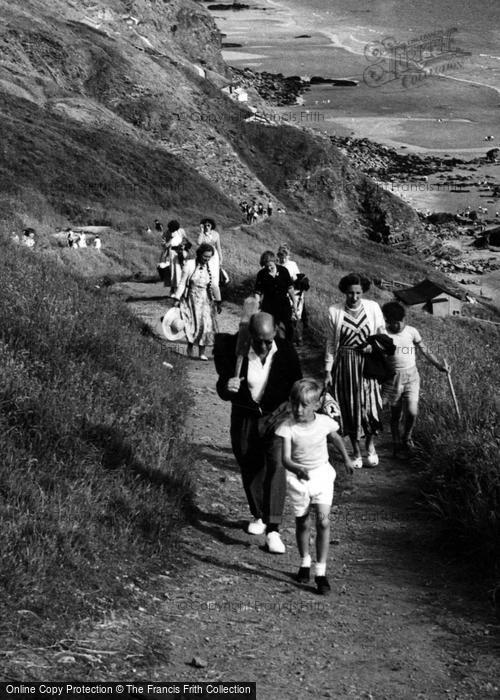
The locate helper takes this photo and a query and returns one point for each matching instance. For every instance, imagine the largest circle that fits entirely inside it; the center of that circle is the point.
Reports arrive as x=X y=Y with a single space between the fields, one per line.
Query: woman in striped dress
x=349 y=325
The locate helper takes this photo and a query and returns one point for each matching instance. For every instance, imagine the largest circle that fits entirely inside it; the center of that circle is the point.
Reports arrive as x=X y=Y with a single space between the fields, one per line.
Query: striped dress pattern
x=359 y=398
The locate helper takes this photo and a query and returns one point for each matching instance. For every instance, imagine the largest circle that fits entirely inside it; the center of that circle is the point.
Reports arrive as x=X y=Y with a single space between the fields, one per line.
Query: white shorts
x=404 y=385
x=318 y=490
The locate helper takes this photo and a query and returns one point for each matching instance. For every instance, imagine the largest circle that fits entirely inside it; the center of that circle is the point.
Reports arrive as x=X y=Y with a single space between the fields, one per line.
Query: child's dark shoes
x=304 y=574
x=322 y=585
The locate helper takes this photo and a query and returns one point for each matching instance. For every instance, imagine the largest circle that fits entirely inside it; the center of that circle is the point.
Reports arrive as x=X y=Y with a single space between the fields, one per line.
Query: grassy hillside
x=109 y=120
x=95 y=470
x=55 y=170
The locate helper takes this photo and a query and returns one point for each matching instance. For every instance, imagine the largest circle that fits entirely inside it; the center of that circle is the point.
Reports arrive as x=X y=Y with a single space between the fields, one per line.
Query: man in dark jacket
x=265 y=380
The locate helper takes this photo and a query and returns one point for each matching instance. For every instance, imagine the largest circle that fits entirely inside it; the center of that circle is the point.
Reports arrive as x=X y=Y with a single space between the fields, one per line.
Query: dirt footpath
x=398 y=623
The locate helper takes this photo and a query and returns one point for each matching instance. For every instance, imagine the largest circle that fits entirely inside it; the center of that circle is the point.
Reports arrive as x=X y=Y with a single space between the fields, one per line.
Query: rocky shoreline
x=449 y=241
x=275 y=88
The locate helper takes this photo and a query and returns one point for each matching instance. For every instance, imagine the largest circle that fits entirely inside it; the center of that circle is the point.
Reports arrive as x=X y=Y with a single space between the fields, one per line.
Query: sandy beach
x=448 y=115
x=451 y=113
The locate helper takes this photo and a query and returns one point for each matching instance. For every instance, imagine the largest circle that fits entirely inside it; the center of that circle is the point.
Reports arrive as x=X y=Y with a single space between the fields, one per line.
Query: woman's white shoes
x=372 y=459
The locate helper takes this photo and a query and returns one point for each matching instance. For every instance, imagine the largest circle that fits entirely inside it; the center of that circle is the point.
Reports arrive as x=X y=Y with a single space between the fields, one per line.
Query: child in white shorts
x=403 y=390
x=310 y=475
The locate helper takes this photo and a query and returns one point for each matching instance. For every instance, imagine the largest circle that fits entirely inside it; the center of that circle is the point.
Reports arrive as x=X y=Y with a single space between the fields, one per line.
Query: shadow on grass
x=116 y=453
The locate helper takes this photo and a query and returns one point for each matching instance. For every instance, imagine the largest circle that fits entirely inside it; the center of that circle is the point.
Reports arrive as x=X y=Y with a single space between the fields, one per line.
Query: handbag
x=164 y=272
x=267 y=424
x=329 y=406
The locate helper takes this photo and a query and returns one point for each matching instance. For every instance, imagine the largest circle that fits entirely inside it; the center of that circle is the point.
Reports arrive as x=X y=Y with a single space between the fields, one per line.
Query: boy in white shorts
x=310 y=475
x=403 y=390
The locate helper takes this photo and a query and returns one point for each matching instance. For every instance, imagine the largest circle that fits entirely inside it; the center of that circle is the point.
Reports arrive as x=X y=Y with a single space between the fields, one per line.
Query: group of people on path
x=280 y=423
x=194 y=282
x=79 y=240
x=195 y=285
x=253 y=210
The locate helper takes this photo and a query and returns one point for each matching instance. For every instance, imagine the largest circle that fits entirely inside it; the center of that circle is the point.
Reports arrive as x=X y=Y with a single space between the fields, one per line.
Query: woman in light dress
x=209 y=234
x=199 y=301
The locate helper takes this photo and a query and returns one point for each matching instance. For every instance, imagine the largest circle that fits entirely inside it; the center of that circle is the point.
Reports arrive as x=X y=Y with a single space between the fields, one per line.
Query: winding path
x=398 y=623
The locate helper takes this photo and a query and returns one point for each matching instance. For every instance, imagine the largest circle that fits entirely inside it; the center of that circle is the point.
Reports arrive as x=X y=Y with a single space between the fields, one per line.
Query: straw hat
x=173 y=325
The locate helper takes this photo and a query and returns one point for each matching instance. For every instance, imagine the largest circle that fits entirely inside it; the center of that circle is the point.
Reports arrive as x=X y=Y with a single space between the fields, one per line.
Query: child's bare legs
x=322 y=533
x=410 y=420
x=302 y=534
x=322 y=546
x=395 y=419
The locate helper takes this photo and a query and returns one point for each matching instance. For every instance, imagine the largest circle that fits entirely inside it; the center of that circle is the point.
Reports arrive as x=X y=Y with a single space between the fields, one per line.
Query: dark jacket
x=376 y=365
x=285 y=370
x=274 y=290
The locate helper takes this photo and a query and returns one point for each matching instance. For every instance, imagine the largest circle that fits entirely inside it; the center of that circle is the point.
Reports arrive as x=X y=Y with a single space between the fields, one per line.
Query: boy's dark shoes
x=322 y=585
x=304 y=574
x=409 y=448
x=397 y=450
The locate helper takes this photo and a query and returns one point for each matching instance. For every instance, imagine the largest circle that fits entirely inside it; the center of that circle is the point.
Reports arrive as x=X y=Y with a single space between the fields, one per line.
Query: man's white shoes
x=274 y=543
x=256 y=527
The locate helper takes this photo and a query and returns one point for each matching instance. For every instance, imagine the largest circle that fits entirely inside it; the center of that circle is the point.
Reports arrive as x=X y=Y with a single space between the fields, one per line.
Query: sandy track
x=398 y=624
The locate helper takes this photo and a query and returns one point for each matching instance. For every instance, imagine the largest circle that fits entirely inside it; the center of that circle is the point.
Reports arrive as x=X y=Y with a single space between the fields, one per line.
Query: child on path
x=402 y=391
x=310 y=475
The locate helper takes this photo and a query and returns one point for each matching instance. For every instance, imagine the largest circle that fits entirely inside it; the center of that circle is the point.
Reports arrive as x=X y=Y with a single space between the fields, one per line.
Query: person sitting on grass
x=402 y=391
x=310 y=475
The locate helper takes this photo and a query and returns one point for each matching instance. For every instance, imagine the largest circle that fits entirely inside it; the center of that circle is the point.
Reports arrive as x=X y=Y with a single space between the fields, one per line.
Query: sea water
x=450 y=105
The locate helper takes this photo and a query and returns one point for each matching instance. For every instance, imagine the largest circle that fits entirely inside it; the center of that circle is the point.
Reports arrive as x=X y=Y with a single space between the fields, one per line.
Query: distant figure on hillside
x=82 y=241
x=97 y=243
x=14 y=237
x=402 y=392
x=349 y=326
x=29 y=237
x=260 y=209
x=269 y=208
x=158 y=227
x=209 y=234
x=71 y=238
x=250 y=212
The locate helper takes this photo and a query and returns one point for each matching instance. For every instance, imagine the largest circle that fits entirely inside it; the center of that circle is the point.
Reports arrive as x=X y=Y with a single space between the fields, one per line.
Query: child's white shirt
x=405 y=342
x=309 y=445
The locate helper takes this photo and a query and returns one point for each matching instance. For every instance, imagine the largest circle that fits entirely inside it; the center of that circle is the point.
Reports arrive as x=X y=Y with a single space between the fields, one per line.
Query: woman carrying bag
x=199 y=301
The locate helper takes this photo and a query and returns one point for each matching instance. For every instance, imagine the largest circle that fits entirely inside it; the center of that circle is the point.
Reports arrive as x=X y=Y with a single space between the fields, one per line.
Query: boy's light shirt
x=258 y=373
x=405 y=342
x=308 y=440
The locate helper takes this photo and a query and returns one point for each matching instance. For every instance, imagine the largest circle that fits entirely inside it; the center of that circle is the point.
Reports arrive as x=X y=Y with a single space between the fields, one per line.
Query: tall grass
x=460 y=457
x=94 y=474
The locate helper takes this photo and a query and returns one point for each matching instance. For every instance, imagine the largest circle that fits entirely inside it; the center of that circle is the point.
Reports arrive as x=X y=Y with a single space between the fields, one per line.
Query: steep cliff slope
x=113 y=109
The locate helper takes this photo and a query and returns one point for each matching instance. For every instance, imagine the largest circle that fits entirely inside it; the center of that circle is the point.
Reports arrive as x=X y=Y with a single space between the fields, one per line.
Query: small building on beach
x=433 y=297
